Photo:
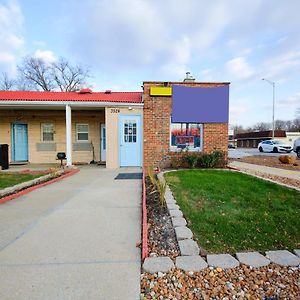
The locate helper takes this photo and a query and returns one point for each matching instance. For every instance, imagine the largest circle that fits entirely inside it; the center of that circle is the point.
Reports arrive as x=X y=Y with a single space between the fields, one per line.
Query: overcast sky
x=126 y=42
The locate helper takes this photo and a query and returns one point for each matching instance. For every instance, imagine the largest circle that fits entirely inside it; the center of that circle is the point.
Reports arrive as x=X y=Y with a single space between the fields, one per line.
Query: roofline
x=64 y=103
x=186 y=82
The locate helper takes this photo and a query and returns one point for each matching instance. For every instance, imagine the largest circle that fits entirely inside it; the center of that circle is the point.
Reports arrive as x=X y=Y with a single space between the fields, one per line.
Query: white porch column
x=69 y=135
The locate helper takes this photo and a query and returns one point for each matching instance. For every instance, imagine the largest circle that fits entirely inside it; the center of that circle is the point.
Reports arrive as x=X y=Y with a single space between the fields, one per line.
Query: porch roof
x=120 y=97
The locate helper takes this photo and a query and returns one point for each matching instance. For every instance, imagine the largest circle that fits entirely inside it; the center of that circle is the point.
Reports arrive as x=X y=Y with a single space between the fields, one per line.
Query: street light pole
x=273 y=115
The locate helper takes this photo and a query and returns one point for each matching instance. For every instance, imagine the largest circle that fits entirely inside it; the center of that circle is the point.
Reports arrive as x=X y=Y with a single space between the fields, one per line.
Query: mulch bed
x=269 y=283
x=161 y=235
x=269 y=161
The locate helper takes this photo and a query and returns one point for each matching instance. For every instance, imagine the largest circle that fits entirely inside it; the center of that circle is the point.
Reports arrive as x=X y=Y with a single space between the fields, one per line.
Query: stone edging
x=191 y=261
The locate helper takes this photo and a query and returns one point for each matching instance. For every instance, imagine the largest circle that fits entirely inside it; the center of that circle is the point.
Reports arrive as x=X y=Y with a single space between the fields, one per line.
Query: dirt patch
x=269 y=161
x=162 y=239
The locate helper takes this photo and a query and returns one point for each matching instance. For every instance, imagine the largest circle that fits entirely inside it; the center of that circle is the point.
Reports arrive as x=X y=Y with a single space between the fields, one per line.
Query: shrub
x=215 y=159
x=191 y=160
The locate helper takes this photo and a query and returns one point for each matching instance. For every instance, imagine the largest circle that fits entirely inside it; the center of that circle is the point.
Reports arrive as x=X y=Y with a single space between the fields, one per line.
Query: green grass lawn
x=8 y=179
x=229 y=211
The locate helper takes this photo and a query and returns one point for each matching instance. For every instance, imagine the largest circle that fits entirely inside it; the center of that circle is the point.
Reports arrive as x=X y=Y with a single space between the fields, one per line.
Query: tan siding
x=112 y=134
x=34 y=118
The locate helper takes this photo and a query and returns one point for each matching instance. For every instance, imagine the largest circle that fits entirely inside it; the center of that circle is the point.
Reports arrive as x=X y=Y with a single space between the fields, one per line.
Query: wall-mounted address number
x=114 y=110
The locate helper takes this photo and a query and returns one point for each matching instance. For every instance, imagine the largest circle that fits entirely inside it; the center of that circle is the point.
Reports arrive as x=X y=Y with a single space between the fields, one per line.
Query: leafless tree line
x=290 y=125
x=37 y=74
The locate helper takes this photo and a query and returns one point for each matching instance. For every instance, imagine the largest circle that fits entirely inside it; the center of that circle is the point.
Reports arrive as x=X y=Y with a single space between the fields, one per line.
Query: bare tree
x=6 y=83
x=280 y=125
x=262 y=126
x=37 y=72
x=238 y=129
x=60 y=75
x=68 y=78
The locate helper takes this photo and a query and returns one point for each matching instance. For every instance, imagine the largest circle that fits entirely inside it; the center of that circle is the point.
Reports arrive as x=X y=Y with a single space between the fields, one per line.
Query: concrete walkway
x=263 y=169
x=74 y=239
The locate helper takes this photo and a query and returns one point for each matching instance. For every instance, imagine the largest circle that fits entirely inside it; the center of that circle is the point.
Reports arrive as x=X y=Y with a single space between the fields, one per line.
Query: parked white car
x=274 y=146
x=297 y=146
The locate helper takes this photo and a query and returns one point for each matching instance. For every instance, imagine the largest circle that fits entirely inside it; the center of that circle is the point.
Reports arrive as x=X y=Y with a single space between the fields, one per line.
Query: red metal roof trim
x=126 y=97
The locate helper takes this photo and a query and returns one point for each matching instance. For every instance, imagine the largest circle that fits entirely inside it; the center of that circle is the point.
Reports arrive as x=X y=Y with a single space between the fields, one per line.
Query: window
x=47 y=130
x=82 y=132
x=130 y=131
x=186 y=137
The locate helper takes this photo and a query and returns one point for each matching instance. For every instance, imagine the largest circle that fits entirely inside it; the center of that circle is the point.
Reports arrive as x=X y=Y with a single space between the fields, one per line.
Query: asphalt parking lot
x=243 y=152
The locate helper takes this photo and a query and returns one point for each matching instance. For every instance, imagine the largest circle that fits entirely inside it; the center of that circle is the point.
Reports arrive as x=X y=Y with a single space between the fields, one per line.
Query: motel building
x=118 y=129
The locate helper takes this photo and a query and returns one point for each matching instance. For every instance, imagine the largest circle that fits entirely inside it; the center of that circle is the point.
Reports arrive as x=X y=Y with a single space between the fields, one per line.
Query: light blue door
x=19 y=142
x=130 y=140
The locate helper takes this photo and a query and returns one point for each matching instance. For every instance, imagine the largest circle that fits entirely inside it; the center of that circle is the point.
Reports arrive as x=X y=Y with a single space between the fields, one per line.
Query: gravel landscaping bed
x=162 y=240
x=270 y=283
x=269 y=161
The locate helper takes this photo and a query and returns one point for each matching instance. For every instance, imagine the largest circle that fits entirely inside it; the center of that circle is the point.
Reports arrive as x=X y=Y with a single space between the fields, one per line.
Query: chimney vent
x=85 y=91
x=188 y=77
x=108 y=92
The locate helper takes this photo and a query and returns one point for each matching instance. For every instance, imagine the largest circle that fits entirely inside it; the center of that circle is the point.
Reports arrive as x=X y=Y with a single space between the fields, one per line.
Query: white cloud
x=12 y=41
x=292 y=101
x=238 y=68
x=282 y=64
x=46 y=55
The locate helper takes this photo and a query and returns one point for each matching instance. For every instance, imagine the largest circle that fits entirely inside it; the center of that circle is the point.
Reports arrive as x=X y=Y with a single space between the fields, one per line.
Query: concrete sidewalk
x=74 y=239
x=263 y=169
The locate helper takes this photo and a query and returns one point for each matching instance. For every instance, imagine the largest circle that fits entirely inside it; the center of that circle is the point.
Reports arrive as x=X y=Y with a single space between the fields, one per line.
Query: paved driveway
x=74 y=239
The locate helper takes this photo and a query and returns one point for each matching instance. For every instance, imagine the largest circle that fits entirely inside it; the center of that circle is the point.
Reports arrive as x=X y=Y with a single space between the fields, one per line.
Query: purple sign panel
x=200 y=105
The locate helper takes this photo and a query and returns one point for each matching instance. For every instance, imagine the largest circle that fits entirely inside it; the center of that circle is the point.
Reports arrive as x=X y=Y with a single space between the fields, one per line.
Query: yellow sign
x=160 y=91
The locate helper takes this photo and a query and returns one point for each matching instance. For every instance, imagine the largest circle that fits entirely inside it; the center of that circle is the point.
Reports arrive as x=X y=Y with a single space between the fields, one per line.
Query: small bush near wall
x=216 y=159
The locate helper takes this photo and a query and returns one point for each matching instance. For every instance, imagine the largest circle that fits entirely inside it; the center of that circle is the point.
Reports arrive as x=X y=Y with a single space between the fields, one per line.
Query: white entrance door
x=102 y=142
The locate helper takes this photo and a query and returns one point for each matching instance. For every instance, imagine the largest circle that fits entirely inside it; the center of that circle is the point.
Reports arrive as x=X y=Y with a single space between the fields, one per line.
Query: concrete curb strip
x=188 y=248
x=253 y=259
x=175 y=213
x=172 y=206
x=157 y=264
x=224 y=261
x=248 y=172
x=11 y=190
x=283 y=258
x=297 y=252
x=178 y=222
x=183 y=233
x=190 y=263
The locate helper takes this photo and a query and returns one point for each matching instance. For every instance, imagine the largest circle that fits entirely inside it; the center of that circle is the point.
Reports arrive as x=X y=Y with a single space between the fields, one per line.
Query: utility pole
x=273 y=114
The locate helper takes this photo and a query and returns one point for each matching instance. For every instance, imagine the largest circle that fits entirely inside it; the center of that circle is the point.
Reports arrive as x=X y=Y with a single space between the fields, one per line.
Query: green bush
x=193 y=160
x=215 y=159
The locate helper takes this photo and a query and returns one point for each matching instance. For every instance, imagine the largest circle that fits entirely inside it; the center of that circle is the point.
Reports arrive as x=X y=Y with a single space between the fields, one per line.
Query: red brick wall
x=157 y=114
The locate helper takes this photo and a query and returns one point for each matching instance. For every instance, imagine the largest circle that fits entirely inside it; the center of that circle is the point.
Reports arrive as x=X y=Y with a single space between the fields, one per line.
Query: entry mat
x=129 y=176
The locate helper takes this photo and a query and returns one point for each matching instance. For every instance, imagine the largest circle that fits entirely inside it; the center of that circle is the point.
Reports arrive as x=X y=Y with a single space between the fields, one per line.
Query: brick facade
x=157 y=117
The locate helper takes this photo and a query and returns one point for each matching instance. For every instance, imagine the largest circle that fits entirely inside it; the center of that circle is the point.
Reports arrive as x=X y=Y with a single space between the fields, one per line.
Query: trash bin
x=4 y=156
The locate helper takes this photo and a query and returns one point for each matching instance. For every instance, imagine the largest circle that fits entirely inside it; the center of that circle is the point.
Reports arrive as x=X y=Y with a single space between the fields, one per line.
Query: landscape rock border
x=191 y=261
